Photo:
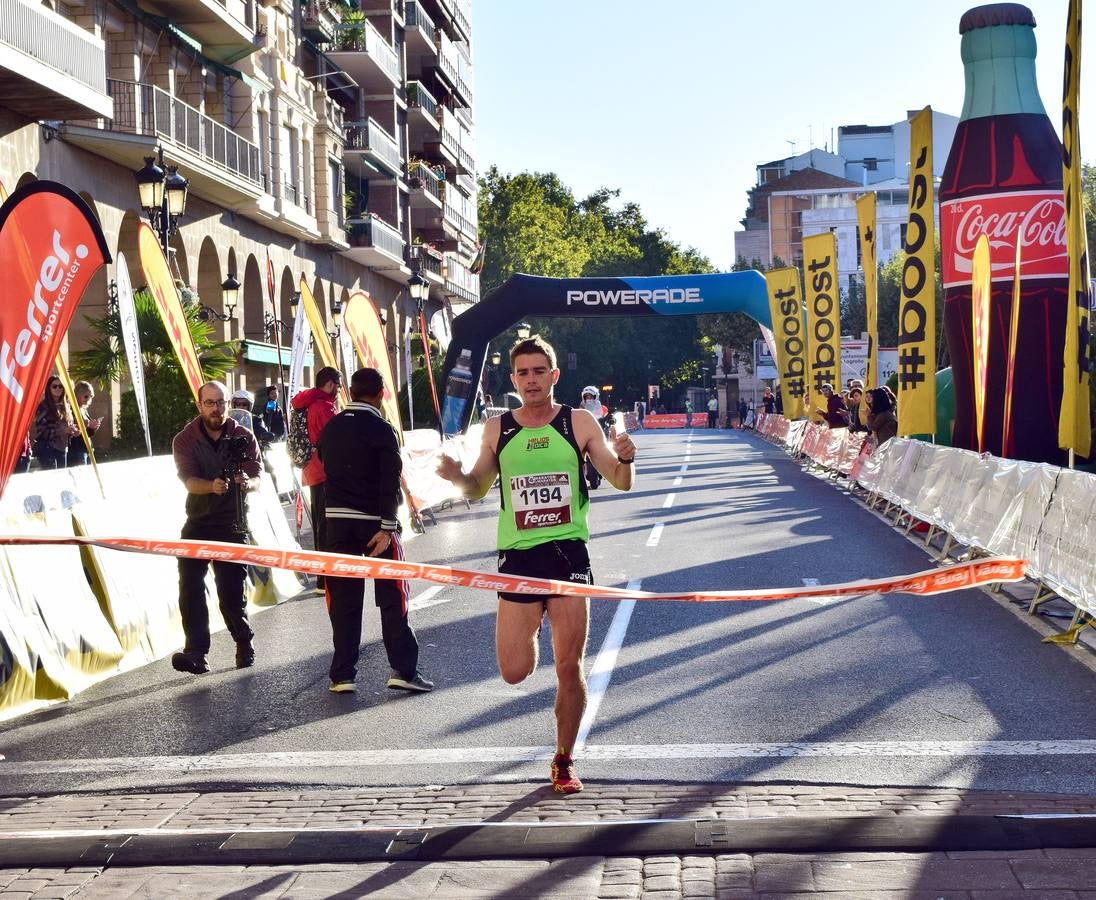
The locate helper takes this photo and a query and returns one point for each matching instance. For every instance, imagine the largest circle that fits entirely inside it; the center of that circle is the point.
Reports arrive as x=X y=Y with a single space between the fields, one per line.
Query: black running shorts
x=558 y=560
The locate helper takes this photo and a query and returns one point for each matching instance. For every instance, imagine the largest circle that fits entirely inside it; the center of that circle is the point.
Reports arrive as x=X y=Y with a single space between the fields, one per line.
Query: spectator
x=218 y=461
x=361 y=459
x=78 y=451
x=769 y=400
x=748 y=421
x=321 y=409
x=241 y=411
x=26 y=456
x=270 y=417
x=743 y=406
x=856 y=395
x=54 y=426
x=836 y=413
x=688 y=413
x=882 y=420
x=713 y=410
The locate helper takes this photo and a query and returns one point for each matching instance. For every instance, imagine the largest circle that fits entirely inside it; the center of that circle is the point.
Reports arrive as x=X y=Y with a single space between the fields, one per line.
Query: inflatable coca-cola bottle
x=1004 y=179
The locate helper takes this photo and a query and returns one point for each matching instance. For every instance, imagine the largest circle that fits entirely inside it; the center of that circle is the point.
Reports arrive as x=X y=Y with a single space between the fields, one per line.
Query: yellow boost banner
x=917 y=306
x=823 y=315
x=786 y=307
x=865 y=218
x=1073 y=422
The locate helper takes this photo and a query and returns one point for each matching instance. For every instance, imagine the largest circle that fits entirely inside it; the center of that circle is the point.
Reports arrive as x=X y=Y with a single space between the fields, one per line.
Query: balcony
x=371 y=152
x=460 y=283
x=462 y=20
x=422 y=108
x=420 y=32
x=319 y=20
x=50 y=68
x=329 y=114
x=430 y=262
x=225 y=28
x=222 y=167
x=425 y=187
x=366 y=57
x=374 y=243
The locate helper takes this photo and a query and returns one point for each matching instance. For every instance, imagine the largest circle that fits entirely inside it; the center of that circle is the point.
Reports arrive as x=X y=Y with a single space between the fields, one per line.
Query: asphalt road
x=953 y=690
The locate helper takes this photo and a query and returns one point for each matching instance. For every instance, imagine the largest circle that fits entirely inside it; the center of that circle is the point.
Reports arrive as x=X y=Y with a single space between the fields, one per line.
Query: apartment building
x=324 y=141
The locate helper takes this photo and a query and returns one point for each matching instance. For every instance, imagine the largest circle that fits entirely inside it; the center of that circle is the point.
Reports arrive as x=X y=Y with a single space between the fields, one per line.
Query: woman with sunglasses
x=54 y=426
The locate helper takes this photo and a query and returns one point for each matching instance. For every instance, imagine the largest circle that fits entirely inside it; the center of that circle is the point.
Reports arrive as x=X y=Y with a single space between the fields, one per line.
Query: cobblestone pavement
x=977 y=875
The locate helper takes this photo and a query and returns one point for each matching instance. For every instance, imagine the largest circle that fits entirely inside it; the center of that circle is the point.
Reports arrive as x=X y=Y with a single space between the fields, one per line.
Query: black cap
x=996 y=14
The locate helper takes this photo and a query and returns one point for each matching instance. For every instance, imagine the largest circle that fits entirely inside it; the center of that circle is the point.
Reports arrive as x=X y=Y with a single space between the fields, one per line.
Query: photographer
x=218 y=461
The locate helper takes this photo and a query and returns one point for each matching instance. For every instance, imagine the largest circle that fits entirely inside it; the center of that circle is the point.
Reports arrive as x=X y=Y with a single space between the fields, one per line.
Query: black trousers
x=318 y=504
x=229 y=578
x=346 y=597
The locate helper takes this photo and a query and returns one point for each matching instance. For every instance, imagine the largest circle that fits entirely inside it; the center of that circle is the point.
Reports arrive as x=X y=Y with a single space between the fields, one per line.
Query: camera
x=234 y=453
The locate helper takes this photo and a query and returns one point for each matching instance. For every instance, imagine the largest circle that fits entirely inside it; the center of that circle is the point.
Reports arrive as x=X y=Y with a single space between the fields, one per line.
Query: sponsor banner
x=299 y=350
x=865 y=217
x=51 y=245
x=823 y=317
x=408 y=369
x=932 y=581
x=131 y=340
x=786 y=309
x=1034 y=218
x=361 y=322
x=1007 y=441
x=318 y=328
x=163 y=289
x=980 y=312
x=1074 y=423
x=917 y=305
x=675 y=420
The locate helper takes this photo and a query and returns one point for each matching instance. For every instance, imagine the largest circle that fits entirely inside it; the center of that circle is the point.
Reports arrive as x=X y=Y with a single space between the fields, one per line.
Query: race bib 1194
x=541 y=501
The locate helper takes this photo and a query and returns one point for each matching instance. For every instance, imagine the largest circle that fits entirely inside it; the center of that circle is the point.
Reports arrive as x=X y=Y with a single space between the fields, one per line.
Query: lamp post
x=230 y=293
x=523 y=330
x=163 y=192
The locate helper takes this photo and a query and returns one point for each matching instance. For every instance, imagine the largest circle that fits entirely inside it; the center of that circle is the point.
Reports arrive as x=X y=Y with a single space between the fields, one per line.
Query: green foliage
x=420 y=390
x=890 y=293
x=533 y=223
x=170 y=403
x=1088 y=199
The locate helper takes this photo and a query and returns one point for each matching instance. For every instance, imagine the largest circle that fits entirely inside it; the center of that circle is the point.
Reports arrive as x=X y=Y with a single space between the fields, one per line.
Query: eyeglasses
x=56 y=387
x=212 y=404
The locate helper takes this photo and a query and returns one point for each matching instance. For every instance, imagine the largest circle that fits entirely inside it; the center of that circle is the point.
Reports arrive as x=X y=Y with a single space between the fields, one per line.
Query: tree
x=170 y=402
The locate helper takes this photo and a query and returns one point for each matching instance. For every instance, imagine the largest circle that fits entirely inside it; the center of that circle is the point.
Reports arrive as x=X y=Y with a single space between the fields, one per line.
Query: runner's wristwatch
x=627 y=462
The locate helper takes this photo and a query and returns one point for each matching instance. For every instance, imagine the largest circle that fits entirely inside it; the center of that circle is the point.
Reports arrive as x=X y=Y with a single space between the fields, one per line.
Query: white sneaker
x=342 y=687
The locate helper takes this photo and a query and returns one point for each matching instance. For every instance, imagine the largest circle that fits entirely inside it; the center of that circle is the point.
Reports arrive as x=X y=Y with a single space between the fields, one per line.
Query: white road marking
x=656 y=534
x=425 y=599
x=677 y=481
x=669 y=501
x=684 y=469
x=442 y=756
x=602 y=671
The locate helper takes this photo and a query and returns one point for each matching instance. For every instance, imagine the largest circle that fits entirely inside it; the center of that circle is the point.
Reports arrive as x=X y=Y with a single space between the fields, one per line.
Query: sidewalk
x=706 y=872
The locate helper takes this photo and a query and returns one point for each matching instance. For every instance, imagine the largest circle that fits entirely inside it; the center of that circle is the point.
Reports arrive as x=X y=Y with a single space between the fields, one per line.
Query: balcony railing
x=372 y=231
x=148 y=110
x=417 y=18
x=364 y=38
x=50 y=39
x=370 y=137
x=460 y=16
x=419 y=96
x=460 y=281
x=428 y=261
x=466 y=183
x=330 y=112
x=466 y=161
x=423 y=177
x=455 y=216
x=291 y=192
x=319 y=19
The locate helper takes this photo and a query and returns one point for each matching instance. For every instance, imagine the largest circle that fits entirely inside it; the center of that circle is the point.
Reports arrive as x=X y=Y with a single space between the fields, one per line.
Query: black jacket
x=361 y=459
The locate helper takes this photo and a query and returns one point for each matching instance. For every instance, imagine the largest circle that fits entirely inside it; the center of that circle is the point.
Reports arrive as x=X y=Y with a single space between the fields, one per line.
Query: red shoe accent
x=564 y=779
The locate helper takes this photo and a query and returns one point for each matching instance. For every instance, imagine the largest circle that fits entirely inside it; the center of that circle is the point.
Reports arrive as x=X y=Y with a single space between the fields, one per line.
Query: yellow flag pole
x=70 y=393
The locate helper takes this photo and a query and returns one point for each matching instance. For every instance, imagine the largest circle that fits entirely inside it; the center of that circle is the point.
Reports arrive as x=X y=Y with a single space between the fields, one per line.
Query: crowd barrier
x=69 y=619
x=975 y=503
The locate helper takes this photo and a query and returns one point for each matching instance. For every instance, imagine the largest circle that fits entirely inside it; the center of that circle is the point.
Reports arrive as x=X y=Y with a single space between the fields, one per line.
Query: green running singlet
x=544 y=496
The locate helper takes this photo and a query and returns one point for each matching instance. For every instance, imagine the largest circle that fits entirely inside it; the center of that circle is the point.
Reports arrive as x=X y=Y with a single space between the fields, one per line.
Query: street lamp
x=230 y=292
x=162 y=192
x=524 y=331
x=336 y=320
x=419 y=289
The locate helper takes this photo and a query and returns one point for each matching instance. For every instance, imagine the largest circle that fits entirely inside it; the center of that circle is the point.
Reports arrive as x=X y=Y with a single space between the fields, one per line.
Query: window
x=902 y=235
x=871 y=163
x=335 y=188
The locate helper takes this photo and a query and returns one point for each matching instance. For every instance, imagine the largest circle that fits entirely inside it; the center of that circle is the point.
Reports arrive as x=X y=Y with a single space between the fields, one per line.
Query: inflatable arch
x=525 y=296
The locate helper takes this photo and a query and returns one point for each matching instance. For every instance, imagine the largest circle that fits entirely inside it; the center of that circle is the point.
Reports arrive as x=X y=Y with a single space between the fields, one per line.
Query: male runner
x=537 y=451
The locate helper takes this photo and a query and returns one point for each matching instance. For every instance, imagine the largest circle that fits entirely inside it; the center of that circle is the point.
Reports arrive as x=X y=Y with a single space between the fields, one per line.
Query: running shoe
x=342 y=687
x=564 y=779
x=416 y=682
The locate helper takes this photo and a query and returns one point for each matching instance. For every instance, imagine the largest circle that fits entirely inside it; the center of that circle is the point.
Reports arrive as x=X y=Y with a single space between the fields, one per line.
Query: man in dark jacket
x=269 y=417
x=218 y=461
x=361 y=460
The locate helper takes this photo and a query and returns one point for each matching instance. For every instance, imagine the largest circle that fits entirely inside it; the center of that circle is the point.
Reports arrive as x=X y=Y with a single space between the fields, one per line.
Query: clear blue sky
x=676 y=103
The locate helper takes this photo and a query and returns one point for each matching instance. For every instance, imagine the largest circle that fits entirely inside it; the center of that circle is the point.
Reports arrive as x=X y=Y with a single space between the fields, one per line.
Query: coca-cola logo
x=1036 y=220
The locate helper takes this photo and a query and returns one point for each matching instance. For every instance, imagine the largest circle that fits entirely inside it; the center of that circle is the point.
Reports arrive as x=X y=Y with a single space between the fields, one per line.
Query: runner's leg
x=516 y=629
x=570 y=621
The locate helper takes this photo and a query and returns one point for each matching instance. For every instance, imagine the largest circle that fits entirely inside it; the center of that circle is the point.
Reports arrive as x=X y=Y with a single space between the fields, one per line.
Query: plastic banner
x=786 y=309
x=917 y=305
x=301 y=331
x=1008 y=444
x=865 y=217
x=51 y=246
x=980 y=313
x=131 y=341
x=932 y=581
x=361 y=322
x=1074 y=424
x=162 y=285
x=319 y=330
x=823 y=317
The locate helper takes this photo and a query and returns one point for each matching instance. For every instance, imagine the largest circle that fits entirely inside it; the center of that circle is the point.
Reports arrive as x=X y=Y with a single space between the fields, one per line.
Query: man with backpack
x=312 y=410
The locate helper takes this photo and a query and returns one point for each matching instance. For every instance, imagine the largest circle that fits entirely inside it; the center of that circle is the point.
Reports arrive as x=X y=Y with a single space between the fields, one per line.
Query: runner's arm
x=476 y=483
x=606 y=457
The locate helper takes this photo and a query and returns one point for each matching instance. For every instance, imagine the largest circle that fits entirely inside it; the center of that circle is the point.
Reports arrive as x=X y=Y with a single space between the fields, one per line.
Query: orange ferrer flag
x=170 y=307
x=980 y=331
x=1074 y=425
x=364 y=326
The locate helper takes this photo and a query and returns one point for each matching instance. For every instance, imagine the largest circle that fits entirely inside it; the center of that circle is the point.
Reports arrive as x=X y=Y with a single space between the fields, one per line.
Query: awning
x=338 y=78
x=267 y=354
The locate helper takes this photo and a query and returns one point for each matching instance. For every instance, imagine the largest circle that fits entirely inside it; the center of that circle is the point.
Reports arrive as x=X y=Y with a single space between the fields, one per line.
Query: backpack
x=298 y=444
